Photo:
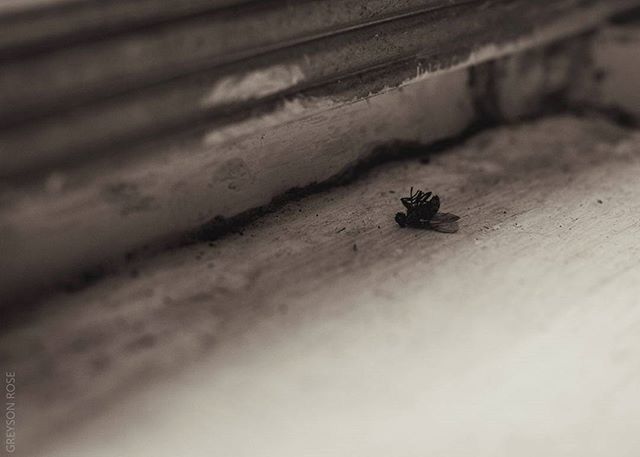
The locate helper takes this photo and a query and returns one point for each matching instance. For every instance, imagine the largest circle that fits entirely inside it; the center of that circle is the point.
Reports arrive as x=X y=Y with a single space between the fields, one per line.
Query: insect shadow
x=422 y=211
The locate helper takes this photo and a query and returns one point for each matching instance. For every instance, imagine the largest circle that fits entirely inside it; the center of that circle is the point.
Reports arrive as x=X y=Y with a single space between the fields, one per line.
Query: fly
x=422 y=211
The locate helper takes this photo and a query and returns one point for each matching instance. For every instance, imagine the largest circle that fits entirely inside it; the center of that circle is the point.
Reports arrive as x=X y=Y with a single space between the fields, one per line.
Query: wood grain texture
x=517 y=335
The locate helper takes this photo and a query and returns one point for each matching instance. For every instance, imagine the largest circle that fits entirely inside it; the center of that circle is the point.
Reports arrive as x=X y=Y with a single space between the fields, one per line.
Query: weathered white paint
x=97 y=211
x=109 y=207
x=290 y=111
x=578 y=22
x=254 y=84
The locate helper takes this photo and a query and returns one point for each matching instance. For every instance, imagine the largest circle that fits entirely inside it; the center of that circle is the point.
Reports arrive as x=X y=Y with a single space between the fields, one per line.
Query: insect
x=423 y=212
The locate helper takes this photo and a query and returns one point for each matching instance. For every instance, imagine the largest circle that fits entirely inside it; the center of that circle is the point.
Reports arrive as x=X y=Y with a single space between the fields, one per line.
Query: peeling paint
x=128 y=198
x=261 y=83
x=291 y=110
x=541 y=36
x=317 y=141
x=278 y=78
x=234 y=174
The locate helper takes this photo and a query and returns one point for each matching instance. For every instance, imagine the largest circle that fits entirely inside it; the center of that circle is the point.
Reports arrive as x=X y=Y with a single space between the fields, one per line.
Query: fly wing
x=446 y=227
x=445 y=217
x=445 y=222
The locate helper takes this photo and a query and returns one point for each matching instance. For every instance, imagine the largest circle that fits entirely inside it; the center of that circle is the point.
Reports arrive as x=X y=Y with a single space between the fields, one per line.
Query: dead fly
x=422 y=212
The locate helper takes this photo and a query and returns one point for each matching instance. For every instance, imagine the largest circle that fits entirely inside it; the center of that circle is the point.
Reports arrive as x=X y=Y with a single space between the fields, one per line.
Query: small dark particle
x=341 y=230
x=425 y=160
x=422 y=211
x=355 y=247
x=600 y=201
x=599 y=75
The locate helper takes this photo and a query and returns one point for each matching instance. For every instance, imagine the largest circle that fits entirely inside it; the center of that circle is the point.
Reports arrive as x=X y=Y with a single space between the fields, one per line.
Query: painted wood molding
x=83 y=201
